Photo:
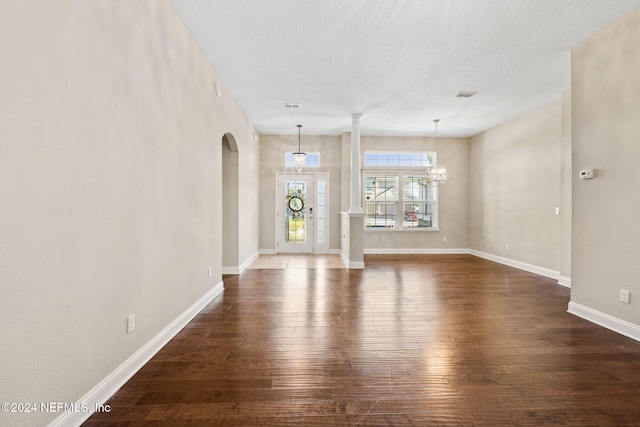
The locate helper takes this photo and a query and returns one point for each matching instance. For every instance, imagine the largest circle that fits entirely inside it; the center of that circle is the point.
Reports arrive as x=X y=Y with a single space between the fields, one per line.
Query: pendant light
x=299 y=158
x=436 y=174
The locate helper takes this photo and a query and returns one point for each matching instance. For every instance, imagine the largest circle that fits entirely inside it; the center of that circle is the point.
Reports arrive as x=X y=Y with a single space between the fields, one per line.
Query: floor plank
x=411 y=340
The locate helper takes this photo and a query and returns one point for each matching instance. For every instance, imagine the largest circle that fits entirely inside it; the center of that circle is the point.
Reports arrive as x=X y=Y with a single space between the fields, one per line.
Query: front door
x=295 y=228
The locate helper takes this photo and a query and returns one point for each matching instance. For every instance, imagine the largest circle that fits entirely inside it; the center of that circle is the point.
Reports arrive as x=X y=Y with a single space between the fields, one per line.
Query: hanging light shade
x=299 y=158
x=436 y=174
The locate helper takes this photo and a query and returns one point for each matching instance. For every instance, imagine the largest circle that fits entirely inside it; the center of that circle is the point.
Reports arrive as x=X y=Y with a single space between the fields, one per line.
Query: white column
x=356 y=190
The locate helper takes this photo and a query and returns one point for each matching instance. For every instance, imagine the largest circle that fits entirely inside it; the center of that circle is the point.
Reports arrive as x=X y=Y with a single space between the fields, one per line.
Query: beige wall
x=272 y=152
x=606 y=137
x=110 y=169
x=565 y=191
x=110 y=182
x=453 y=153
x=515 y=188
x=249 y=210
x=230 y=205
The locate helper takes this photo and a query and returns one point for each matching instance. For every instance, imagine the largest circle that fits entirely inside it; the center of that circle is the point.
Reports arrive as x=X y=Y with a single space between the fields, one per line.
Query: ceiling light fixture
x=436 y=174
x=299 y=158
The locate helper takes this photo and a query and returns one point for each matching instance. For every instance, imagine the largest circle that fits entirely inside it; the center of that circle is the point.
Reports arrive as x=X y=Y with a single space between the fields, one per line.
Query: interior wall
x=606 y=137
x=272 y=158
x=110 y=181
x=230 y=205
x=249 y=211
x=515 y=187
x=565 y=191
x=453 y=153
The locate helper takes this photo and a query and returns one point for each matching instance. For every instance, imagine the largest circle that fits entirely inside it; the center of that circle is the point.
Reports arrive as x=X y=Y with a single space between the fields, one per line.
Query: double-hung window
x=397 y=196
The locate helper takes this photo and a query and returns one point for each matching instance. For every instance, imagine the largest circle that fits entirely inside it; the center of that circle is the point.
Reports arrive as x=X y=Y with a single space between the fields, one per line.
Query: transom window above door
x=313 y=160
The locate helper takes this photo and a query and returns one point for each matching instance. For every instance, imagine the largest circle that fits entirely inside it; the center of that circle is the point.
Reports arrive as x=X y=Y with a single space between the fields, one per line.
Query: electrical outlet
x=209 y=271
x=131 y=323
x=506 y=246
x=624 y=296
x=444 y=239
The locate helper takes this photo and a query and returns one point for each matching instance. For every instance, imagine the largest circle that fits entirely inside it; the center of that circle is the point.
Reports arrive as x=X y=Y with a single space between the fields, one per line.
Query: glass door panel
x=295 y=226
x=295 y=213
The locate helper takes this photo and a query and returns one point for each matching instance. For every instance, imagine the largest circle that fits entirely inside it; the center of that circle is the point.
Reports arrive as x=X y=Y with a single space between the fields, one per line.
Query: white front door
x=294 y=213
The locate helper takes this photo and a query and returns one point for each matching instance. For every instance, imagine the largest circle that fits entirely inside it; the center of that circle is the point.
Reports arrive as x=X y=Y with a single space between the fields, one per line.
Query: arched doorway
x=230 y=205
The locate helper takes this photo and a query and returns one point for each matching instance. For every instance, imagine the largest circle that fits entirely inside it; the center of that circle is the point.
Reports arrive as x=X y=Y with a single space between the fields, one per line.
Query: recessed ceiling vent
x=465 y=94
x=291 y=105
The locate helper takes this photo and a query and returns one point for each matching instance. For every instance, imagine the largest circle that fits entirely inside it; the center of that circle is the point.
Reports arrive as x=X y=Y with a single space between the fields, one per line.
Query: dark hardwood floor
x=410 y=341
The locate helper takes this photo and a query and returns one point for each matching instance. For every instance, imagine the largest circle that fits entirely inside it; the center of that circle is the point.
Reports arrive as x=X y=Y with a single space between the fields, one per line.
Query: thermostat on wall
x=586 y=174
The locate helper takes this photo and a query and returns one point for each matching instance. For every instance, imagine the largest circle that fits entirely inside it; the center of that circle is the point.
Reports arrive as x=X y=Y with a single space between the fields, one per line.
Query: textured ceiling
x=400 y=63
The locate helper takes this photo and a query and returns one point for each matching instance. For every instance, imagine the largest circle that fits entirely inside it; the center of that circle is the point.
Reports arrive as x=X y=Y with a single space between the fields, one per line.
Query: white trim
x=243 y=266
x=322 y=248
x=620 y=326
x=542 y=271
x=564 y=281
x=355 y=265
x=415 y=251
x=99 y=394
x=344 y=258
x=248 y=262
x=335 y=252
x=230 y=270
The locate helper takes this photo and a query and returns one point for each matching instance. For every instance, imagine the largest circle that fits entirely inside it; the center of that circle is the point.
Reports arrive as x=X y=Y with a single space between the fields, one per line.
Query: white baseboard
x=415 y=251
x=230 y=270
x=620 y=326
x=248 y=262
x=355 y=265
x=243 y=266
x=542 y=271
x=274 y=252
x=344 y=258
x=99 y=394
x=564 y=281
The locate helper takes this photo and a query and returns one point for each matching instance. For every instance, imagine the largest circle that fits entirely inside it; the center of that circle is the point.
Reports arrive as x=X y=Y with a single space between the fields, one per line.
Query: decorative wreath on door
x=296 y=204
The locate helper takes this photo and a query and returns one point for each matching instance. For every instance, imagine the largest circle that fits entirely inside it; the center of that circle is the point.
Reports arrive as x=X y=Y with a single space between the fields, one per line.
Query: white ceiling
x=400 y=63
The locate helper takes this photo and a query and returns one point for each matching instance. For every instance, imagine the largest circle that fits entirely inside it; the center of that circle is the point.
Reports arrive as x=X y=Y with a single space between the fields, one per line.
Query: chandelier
x=436 y=174
x=299 y=158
